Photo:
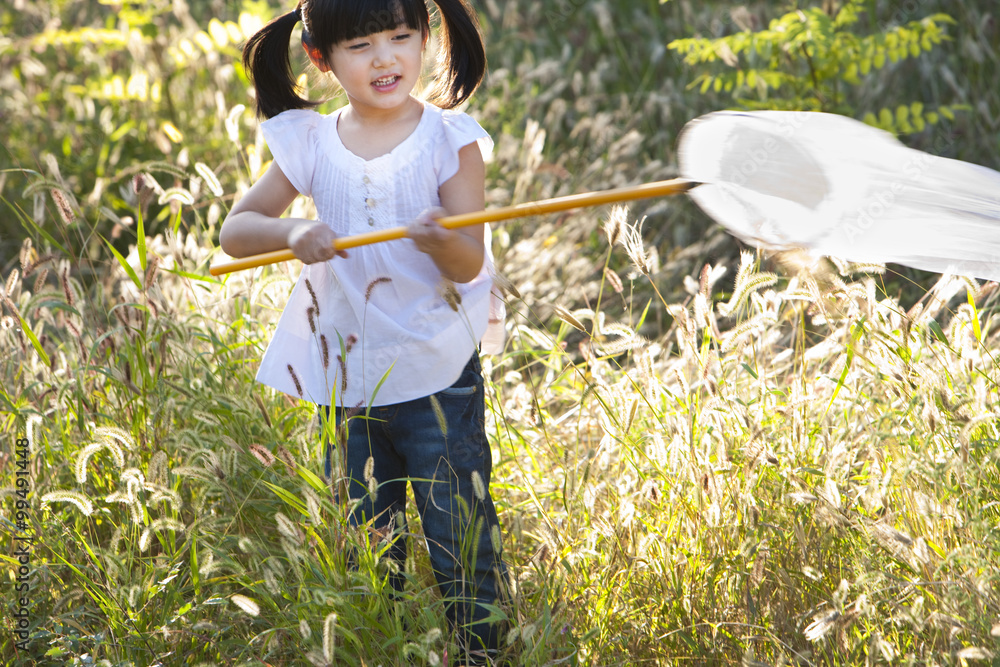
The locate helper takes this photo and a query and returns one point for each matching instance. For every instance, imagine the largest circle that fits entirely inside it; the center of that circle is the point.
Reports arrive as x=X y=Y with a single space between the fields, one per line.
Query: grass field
x=702 y=455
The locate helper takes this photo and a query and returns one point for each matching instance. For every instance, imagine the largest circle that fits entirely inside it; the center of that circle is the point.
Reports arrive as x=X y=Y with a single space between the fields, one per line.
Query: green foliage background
x=779 y=464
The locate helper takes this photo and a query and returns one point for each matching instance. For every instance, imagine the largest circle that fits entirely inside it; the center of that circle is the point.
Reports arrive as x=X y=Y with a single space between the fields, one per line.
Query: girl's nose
x=383 y=56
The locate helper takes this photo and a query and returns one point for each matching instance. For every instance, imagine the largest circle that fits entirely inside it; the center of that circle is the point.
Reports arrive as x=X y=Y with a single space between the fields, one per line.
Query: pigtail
x=462 y=58
x=265 y=58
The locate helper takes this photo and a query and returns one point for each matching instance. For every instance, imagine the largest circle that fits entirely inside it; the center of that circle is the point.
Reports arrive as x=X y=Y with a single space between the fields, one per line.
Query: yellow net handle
x=657 y=189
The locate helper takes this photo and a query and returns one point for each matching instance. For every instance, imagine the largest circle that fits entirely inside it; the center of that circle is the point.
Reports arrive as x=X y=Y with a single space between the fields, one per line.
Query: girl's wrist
x=460 y=258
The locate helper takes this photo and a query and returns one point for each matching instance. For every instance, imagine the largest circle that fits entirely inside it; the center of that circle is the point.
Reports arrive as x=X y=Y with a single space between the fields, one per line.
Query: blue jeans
x=439 y=452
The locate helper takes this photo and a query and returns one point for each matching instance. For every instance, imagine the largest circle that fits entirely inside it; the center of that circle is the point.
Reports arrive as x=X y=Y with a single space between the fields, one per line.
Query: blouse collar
x=401 y=149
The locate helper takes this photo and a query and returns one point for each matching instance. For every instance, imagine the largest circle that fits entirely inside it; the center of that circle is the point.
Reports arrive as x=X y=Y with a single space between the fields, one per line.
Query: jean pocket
x=469 y=382
x=460 y=391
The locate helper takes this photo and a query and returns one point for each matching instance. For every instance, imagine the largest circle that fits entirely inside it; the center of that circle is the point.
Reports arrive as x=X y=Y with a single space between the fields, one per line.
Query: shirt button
x=366 y=180
x=371 y=221
x=369 y=202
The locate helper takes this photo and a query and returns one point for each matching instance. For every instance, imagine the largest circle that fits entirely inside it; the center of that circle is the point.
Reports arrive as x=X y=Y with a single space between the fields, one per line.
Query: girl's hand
x=255 y=226
x=430 y=236
x=458 y=253
x=312 y=242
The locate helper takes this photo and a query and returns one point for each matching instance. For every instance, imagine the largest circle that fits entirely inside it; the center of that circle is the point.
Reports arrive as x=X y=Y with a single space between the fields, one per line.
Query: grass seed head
x=63 y=205
x=81 y=501
x=287 y=528
x=287 y=458
x=28 y=256
x=504 y=284
x=381 y=280
x=615 y=224
x=313 y=507
x=312 y=296
x=614 y=280
x=495 y=539
x=271 y=582
x=329 y=636
x=295 y=379
x=152 y=271
x=13 y=280
x=40 y=280
x=820 y=627
x=343 y=373
x=478 y=487
x=10 y=306
x=635 y=247
x=263 y=411
x=439 y=414
x=246 y=604
x=446 y=290
x=262 y=454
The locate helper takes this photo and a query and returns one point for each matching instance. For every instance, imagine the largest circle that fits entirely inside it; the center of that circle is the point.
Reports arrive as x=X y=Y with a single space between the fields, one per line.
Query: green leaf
x=936 y=330
x=378 y=385
x=28 y=222
x=975 y=317
x=193 y=276
x=290 y=498
x=34 y=341
x=141 y=240
x=851 y=75
x=934 y=546
x=124 y=263
x=311 y=478
x=843 y=376
x=885 y=119
x=124 y=129
x=645 y=312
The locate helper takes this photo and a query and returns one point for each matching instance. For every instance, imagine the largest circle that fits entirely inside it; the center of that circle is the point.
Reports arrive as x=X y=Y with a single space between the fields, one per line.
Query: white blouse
x=377 y=327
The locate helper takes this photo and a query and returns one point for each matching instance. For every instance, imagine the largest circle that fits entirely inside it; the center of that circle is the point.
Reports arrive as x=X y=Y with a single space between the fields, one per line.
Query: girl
x=388 y=333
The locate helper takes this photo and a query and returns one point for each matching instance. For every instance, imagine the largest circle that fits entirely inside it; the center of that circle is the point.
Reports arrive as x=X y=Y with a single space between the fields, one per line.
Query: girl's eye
x=402 y=36
x=357 y=46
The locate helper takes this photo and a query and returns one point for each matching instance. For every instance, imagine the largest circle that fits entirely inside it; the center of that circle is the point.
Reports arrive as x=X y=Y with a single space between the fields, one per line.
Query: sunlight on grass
x=701 y=456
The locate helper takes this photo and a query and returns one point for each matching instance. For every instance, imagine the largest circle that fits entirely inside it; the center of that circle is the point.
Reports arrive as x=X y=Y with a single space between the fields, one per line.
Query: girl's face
x=378 y=71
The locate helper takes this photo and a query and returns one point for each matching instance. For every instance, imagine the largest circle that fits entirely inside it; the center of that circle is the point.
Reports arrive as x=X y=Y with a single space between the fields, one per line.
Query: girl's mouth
x=386 y=82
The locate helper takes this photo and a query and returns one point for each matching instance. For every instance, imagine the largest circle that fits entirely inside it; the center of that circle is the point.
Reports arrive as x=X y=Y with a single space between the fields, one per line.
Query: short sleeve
x=291 y=136
x=460 y=130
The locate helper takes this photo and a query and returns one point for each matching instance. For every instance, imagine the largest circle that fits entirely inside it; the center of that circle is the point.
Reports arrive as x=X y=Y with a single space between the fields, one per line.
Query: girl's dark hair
x=461 y=61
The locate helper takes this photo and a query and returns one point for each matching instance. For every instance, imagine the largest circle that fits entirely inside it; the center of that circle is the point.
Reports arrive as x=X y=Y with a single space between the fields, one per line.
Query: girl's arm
x=254 y=225
x=458 y=253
